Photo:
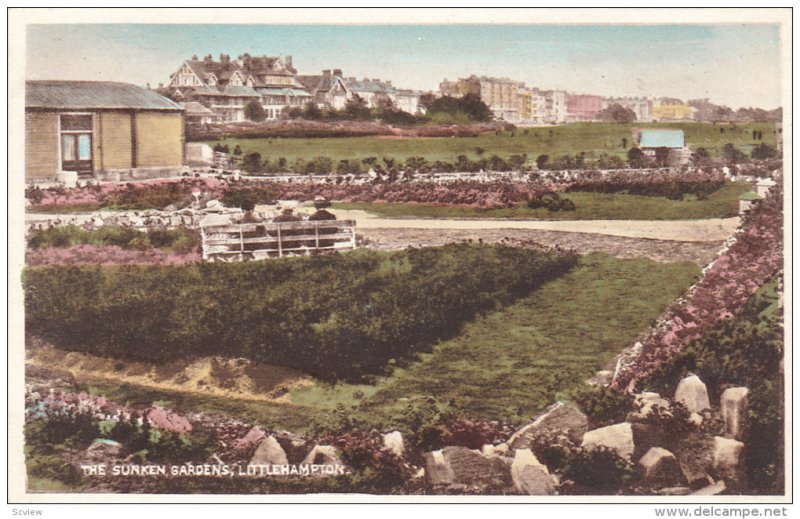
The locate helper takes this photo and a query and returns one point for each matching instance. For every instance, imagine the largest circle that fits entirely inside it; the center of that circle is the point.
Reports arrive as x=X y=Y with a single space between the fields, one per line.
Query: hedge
x=336 y=317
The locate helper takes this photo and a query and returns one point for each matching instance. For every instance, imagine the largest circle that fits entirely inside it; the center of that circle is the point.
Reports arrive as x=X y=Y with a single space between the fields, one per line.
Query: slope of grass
x=590 y=138
x=722 y=203
x=507 y=365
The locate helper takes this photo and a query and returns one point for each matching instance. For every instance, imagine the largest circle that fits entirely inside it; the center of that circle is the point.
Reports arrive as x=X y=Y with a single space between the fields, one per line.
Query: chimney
x=224 y=58
x=194 y=57
x=388 y=83
x=337 y=72
x=326 y=73
x=208 y=59
x=374 y=80
x=288 y=61
x=161 y=85
x=148 y=86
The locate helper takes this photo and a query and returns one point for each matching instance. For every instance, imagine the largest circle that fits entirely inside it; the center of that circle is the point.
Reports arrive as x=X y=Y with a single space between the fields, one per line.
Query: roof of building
x=375 y=87
x=661 y=139
x=195 y=108
x=93 y=95
x=319 y=83
x=283 y=92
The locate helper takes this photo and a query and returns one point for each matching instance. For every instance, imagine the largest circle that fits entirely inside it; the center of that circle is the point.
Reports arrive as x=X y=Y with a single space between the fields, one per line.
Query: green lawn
x=722 y=203
x=591 y=138
x=506 y=365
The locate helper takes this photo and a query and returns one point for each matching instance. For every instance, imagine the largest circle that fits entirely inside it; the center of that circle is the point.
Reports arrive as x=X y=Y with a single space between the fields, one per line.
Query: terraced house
x=100 y=129
x=226 y=86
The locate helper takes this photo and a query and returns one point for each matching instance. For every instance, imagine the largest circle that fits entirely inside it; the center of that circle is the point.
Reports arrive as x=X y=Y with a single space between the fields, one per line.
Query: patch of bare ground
x=213 y=376
x=665 y=251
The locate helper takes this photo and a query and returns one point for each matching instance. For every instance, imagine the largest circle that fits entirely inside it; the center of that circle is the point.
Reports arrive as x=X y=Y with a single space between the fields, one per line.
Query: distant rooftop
x=661 y=139
x=93 y=95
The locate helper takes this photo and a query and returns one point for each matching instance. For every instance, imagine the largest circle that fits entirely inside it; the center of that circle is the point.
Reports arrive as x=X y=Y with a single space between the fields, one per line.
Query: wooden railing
x=238 y=242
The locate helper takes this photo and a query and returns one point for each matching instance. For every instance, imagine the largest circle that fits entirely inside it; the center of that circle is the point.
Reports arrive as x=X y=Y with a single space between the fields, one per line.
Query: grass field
x=591 y=138
x=507 y=365
x=723 y=203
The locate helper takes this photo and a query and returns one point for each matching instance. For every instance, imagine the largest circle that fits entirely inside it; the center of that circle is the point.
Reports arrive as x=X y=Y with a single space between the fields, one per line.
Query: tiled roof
x=93 y=95
x=195 y=108
x=661 y=139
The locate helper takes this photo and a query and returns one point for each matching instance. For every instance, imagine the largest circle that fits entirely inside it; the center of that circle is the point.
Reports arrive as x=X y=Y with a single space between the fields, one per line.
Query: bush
x=595 y=471
x=603 y=405
x=552 y=202
x=337 y=317
x=763 y=151
x=176 y=240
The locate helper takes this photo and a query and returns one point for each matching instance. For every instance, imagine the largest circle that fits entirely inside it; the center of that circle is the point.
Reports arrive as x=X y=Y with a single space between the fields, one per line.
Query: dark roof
x=93 y=95
x=323 y=83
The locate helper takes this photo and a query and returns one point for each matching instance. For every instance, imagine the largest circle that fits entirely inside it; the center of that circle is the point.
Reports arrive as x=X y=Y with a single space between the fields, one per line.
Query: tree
x=252 y=162
x=617 y=113
x=475 y=109
x=311 y=111
x=763 y=151
x=732 y=154
x=541 y=160
x=356 y=109
x=636 y=157
x=662 y=156
x=253 y=111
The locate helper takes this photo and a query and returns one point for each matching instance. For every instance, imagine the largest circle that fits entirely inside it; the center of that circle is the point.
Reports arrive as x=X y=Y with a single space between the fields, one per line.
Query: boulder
x=296 y=447
x=617 y=437
x=462 y=466
x=646 y=402
x=323 y=455
x=103 y=448
x=253 y=436
x=394 y=443
x=437 y=470
x=694 y=456
x=692 y=393
x=558 y=418
x=733 y=406
x=711 y=490
x=530 y=477
x=495 y=450
x=696 y=419
x=659 y=466
x=727 y=458
x=269 y=452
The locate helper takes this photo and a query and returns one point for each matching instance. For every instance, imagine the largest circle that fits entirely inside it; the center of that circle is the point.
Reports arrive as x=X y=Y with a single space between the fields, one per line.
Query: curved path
x=711 y=230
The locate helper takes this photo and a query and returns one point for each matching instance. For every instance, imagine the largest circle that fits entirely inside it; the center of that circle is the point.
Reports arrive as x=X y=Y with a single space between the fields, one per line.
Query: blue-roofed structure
x=662 y=138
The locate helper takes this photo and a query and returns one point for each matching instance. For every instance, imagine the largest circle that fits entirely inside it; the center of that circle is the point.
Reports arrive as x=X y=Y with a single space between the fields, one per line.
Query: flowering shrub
x=106 y=255
x=474 y=435
x=381 y=468
x=754 y=256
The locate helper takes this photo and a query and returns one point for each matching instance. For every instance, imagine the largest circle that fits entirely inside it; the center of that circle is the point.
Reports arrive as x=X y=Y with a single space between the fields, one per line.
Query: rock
x=213 y=204
x=323 y=455
x=393 y=442
x=660 y=466
x=530 y=477
x=727 y=459
x=437 y=470
x=269 y=452
x=494 y=450
x=617 y=437
x=558 y=418
x=711 y=490
x=646 y=402
x=253 y=436
x=103 y=448
x=674 y=491
x=462 y=466
x=296 y=447
x=693 y=394
x=696 y=419
x=733 y=405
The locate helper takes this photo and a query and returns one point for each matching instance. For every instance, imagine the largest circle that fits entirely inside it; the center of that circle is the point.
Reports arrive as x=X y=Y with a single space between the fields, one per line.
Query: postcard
x=400 y=255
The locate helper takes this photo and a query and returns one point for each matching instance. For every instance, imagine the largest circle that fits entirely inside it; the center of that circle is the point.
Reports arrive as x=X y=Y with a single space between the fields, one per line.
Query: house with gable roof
x=328 y=89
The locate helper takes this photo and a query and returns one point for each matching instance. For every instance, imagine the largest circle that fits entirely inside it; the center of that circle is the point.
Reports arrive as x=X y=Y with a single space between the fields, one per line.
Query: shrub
x=552 y=202
x=595 y=471
x=603 y=405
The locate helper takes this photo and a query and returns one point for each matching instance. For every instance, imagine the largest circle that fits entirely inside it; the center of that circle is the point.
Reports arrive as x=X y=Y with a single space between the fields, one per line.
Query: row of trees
x=337 y=317
x=446 y=109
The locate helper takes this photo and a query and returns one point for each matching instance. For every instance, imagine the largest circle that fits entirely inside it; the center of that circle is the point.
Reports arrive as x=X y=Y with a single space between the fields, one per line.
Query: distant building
x=583 y=107
x=328 y=89
x=499 y=94
x=672 y=110
x=197 y=115
x=556 y=101
x=226 y=86
x=671 y=140
x=375 y=91
x=640 y=106
x=100 y=129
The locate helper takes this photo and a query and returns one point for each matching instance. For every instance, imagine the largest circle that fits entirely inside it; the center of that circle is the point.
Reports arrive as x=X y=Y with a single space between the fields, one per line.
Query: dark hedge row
x=337 y=317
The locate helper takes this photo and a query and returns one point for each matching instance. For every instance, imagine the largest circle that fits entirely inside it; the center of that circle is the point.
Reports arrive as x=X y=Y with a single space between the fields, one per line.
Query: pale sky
x=734 y=64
